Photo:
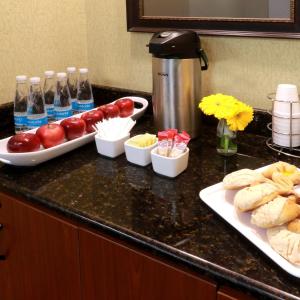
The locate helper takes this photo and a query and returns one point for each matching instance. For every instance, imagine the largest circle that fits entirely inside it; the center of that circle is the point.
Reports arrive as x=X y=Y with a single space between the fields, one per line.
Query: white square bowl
x=138 y=155
x=169 y=166
x=111 y=148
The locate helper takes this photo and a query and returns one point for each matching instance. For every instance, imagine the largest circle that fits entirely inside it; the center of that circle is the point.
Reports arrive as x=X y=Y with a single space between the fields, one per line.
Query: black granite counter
x=160 y=214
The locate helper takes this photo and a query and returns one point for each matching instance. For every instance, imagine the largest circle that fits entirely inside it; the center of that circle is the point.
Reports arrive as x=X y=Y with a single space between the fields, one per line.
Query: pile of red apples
x=53 y=134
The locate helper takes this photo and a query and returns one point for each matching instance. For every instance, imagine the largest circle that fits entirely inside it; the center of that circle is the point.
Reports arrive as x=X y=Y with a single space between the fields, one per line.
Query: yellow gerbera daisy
x=241 y=118
x=218 y=105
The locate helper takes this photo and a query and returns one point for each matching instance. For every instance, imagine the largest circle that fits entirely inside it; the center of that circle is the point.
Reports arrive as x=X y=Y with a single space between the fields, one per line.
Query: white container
x=169 y=166
x=282 y=125
x=284 y=140
x=111 y=148
x=287 y=92
x=138 y=155
x=286 y=101
x=285 y=109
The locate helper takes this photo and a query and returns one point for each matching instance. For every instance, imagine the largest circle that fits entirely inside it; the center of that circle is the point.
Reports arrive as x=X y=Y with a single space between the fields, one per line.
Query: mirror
x=265 y=18
x=229 y=9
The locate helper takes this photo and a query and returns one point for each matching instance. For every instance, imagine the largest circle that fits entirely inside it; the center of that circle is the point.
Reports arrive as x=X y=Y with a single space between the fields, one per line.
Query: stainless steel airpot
x=176 y=69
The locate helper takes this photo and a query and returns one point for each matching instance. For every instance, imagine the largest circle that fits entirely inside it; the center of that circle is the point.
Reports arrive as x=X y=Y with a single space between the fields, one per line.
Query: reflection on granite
x=165 y=215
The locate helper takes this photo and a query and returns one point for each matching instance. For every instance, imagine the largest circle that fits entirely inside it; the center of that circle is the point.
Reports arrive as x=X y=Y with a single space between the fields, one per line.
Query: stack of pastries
x=270 y=198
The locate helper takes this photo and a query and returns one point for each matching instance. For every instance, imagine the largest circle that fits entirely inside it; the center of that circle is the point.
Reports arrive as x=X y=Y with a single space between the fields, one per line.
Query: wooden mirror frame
x=211 y=26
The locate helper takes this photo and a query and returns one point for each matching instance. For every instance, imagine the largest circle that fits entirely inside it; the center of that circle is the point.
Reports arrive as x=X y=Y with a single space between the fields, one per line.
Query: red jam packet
x=171 y=143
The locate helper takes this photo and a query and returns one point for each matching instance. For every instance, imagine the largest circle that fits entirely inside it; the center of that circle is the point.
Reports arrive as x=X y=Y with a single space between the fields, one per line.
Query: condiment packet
x=180 y=143
x=162 y=146
x=171 y=143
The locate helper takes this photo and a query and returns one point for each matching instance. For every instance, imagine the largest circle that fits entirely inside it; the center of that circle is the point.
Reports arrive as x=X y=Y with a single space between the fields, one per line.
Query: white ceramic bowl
x=138 y=155
x=284 y=140
x=169 y=166
x=111 y=148
x=282 y=125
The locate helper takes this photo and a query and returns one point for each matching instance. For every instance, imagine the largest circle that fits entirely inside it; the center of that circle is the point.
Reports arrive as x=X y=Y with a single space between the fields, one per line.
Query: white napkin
x=114 y=128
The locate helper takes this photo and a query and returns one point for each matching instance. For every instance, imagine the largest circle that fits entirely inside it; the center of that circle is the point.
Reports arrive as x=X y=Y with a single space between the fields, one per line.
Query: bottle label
x=74 y=104
x=20 y=120
x=85 y=105
x=50 y=110
x=62 y=113
x=37 y=122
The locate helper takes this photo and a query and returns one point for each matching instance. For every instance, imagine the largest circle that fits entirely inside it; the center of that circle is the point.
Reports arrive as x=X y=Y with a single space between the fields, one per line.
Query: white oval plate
x=37 y=157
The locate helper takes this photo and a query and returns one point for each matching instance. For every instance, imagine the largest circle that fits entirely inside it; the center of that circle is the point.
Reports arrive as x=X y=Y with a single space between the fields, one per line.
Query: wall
x=51 y=34
x=248 y=68
x=39 y=35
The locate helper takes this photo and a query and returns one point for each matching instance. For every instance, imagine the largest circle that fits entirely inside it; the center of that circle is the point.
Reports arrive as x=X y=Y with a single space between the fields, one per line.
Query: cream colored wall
x=51 y=34
x=39 y=35
x=248 y=68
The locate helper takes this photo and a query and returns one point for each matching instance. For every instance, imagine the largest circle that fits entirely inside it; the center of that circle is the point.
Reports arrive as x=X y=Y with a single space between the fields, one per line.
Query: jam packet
x=162 y=146
x=180 y=143
x=171 y=143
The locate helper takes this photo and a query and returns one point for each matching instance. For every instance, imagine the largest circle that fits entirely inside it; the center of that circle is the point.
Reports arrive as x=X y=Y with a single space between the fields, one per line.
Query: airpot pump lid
x=175 y=44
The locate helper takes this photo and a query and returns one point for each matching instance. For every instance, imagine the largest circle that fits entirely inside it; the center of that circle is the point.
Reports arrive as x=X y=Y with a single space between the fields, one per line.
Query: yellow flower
x=241 y=118
x=219 y=105
x=236 y=113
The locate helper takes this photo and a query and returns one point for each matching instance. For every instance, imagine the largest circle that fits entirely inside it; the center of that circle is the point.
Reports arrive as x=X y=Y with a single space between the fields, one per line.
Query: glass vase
x=226 y=139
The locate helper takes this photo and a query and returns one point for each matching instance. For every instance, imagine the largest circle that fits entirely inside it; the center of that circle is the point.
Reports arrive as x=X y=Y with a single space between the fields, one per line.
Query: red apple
x=23 y=142
x=102 y=108
x=126 y=107
x=51 y=135
x=92 y=117
x=110 y=110
x=74 y=127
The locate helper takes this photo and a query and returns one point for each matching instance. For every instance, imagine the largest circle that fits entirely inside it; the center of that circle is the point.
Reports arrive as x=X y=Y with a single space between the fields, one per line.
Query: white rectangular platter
x=221 y=201
x=37 y=157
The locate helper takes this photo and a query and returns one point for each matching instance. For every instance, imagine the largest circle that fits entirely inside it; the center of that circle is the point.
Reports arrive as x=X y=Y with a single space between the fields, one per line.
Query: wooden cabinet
x=41 y=254
x=44 y=257
x=110 y=271
x=226 y=293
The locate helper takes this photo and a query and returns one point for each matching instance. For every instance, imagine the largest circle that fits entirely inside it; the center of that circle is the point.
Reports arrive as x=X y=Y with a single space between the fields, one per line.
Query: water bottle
x=49 y=94
x=72 y=84
x=36 y=110
x=20 y=104
x=62 y=100
x=85 y=99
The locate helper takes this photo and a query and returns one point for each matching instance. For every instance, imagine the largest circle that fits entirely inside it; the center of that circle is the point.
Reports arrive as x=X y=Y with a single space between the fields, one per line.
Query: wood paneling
x=226 y=293
x=111 y=271
x=42 y=258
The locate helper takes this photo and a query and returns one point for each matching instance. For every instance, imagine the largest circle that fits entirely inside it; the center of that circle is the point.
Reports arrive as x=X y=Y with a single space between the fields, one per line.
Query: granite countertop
x=160 y=214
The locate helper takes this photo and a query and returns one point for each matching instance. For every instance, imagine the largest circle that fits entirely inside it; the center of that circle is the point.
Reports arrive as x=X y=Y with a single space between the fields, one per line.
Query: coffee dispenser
x=177 y=61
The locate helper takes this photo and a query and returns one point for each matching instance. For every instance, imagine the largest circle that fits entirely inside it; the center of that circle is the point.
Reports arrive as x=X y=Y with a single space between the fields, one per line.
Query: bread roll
x=252 y=197
x=284 y=168
x=242 y=178
x=276 y=212
x=294 y=226
x=285 y=242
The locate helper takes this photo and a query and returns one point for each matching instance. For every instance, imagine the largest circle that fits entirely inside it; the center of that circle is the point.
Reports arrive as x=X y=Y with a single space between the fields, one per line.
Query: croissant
x=285 y=240
x=242 y=178
x=284 y=168
x=276 y=212
x=252 y=197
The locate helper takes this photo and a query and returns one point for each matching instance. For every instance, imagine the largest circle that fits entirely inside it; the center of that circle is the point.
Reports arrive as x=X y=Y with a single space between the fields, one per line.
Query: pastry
x=276 y=212
x=252 y=197
x=284 y=168
x=283 y=183
x=242 y=178
x=294 y=226
x=285 y=240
